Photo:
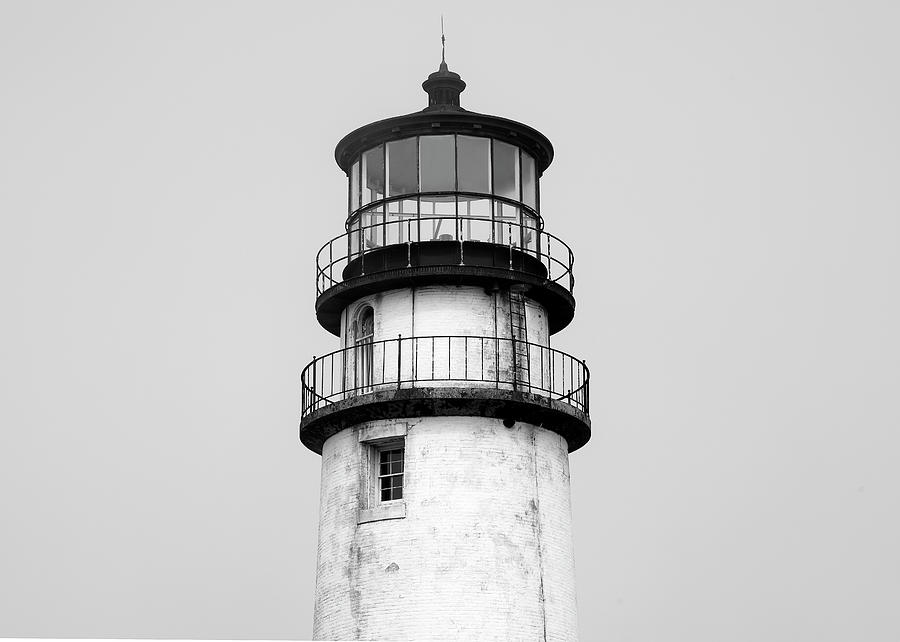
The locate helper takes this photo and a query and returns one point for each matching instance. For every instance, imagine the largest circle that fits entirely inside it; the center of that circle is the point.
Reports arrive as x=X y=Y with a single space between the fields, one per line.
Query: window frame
x=381 y=477
x=375 y=438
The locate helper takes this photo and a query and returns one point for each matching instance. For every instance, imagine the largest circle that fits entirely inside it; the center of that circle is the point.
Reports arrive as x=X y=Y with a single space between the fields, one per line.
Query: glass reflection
x=475 y=219
x=506 y=225
x=437 y=164
x=529 y=181
x=506 y=170
x=401 y=167
x=474 y=164
x=373 y=228
x=354 y=186
x=373 y=175
x=445 y=163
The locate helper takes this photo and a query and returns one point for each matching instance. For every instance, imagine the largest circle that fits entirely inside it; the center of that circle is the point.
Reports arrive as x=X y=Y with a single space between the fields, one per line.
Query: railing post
x=571 y=274
x=466 y=358
x=362 y=249
x=344 y=371
x=314 y=381
x=586 y=388
x=497 y=361
x=399 y=345
x=549 y=261
x=510 y=247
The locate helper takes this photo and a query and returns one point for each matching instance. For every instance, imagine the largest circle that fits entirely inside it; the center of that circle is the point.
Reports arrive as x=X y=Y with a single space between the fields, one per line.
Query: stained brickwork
x=444 y=310
x=484 y=552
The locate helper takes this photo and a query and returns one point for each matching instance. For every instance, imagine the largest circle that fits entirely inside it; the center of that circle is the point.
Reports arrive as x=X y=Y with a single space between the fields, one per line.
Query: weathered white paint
x=444 y=310
x=483 y=553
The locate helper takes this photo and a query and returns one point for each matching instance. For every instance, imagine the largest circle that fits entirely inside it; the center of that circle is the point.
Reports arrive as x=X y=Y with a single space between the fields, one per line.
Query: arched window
x=364 y=329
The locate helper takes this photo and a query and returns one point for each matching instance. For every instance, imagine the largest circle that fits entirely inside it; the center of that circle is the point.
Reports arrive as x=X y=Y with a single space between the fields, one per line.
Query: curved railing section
x=444 y=361
x=450 y=202
x=480 y=240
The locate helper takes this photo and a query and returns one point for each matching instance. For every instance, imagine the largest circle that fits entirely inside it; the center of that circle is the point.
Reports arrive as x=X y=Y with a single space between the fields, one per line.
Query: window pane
x=440 y=206
x=475 y=218
x=373 y=228
x=529 y=182
x=354 y=186
x=506 y=222
x=373 y=175
x=474 y=164
x=401 y=167
x=529 y=231
x=506 y=170
x=395 y=229
x=437 y=163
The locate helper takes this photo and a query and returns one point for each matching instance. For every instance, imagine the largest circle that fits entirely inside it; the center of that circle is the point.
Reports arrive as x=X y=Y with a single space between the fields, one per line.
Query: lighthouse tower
x=445 y=419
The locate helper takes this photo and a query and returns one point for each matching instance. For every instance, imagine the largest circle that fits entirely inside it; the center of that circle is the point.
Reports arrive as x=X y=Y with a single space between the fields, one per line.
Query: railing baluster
x=549 y=260
x=562 y=377
x=466 y=358
x=542 y=367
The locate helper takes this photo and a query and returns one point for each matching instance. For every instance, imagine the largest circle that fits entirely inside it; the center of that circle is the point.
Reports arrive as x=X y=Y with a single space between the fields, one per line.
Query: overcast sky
x=726 y=173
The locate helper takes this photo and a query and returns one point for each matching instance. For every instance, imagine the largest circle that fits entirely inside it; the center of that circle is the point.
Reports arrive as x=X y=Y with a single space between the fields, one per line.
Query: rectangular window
x=390 y=474
x=354 y=187
x=529 y=181
x=373 y=175
x=437 y=163
x=474 y=164
x=401 y=167
x=506 y=170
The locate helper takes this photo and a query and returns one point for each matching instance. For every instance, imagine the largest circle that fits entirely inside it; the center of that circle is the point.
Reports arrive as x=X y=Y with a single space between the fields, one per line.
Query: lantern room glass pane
x=506 y=170
x=507 y=225
x=354 y=187
x=474 y=164
x=373 y=228
x=373 y=175
x=401 y=167
x=437 y=163
x=438 y=218
x=475 y=219
x=529 y=181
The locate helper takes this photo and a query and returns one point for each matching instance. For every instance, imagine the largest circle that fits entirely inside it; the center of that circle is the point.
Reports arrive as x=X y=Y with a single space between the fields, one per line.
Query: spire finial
x=443 y=86
x=443 y=41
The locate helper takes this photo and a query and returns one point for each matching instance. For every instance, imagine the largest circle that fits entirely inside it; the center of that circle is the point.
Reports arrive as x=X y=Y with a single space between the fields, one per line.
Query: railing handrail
x=323 y=262
x=573 y=396
x=415 y=195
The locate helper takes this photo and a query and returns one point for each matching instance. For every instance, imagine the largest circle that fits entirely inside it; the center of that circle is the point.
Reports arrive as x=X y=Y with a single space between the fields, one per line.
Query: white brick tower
x=445 y=419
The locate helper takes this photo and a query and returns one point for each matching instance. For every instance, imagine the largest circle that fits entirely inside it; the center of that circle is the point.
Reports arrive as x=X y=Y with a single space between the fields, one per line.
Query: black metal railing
x=362 y=249
x=444 y=361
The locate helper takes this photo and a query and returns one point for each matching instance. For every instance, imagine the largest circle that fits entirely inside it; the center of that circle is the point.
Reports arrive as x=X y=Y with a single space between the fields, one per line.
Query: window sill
x=392 y=510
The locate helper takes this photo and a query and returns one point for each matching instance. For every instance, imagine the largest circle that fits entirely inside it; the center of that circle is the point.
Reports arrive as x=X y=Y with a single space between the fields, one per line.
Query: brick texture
x=484 y=553
x=485 y=549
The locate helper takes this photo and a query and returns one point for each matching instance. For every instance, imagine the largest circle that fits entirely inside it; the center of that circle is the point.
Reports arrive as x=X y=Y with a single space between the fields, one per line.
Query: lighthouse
x=444 y=418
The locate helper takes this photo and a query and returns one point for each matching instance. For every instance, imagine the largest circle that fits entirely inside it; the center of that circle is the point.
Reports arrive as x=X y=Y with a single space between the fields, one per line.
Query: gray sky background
x=726 y=173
